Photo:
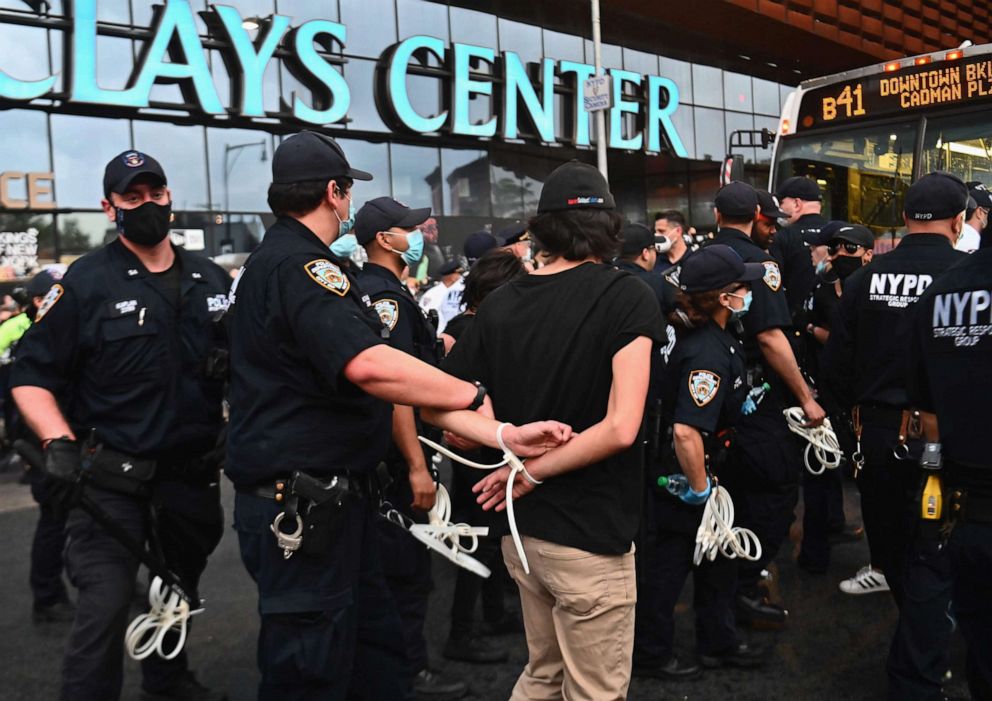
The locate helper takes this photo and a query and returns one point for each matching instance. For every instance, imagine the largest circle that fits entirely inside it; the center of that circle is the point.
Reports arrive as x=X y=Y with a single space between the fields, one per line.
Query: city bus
x=865 y=135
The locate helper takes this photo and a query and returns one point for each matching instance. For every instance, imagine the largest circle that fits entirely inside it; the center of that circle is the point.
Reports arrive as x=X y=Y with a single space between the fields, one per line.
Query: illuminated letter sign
x=246 y=83
x=464 y=87
x=391 y=91
x=540 y=110
x=331 y=95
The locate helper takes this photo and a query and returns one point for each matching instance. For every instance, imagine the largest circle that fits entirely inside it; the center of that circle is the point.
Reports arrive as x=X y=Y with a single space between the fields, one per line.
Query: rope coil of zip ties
x=455 y=541
x=147 y=632
x=820 y=440
x=717 y=533
x=516 y=466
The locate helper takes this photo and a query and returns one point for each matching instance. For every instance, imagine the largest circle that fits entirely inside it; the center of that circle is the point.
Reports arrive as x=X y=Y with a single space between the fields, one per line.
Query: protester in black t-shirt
x=496 y=267
x=572 y=341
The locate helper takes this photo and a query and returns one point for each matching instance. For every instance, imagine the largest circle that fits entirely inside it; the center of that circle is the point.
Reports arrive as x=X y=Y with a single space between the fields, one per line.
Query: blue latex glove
x=694 y=498
x=749 y=406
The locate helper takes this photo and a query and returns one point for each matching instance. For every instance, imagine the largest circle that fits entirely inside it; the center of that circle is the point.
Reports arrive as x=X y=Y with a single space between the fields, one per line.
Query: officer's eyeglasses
x=849 y=246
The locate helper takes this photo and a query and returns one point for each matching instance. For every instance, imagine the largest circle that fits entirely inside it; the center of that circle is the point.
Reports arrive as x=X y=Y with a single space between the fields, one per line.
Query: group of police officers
x=123 y=376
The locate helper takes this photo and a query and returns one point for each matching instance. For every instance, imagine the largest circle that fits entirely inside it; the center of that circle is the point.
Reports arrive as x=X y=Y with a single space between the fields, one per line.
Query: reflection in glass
x=416 y=176
x=515 y=193
x=362 y=112
x=522 y=39
x=82 y=232
x=114 y=62
x=766 y=97
x=471 y=27
x=465 y=177
x=640 y=62
x=961 y=144
x=422 y=18
x=563 y=47
x=703 y=185
x=680 y=72
x=612 y=55
x=707 y=85
x=27 y=241
x=82 y=147
x=240 y=171
x=737 y=121
x=28 y=152
x=764 y=155
x=371 y=27
x=373 y=158
x=305 y=10
x=711 y=140
x=737 y=92
x=665 y=192
x=686 y=128
x=19 y=63
x=181 y=153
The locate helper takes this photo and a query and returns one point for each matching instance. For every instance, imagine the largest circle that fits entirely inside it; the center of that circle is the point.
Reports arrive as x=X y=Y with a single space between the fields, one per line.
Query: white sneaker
x=866 y=581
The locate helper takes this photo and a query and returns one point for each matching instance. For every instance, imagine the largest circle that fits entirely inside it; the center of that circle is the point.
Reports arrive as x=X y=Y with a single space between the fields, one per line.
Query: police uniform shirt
x=769 y=309
x=791 y=249
x=864 y=359
x=950 y=367
x=409 y=329
x=298 y=318
x=110 y=344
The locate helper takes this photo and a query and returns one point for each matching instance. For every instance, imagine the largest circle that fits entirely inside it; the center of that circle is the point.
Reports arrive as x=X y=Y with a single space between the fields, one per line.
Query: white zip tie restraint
x=445 y=537
x=516 y=465
x=717 y=533
x=168 y=611
x=821 y=440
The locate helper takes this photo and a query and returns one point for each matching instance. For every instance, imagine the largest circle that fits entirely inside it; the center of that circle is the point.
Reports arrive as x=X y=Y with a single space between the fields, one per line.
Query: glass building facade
x=219 y=165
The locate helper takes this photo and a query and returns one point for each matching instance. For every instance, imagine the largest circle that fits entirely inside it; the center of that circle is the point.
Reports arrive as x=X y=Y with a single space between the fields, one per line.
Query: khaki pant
x=578 y=609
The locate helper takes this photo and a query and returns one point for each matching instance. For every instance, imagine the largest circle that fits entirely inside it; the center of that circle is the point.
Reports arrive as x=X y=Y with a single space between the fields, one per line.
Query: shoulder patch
x=388 y=311
x=329 y=276
x=54 y=294
x=703 y=386
x=773 y=276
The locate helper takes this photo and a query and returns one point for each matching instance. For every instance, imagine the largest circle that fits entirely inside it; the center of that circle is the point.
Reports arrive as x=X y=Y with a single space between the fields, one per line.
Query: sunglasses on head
x=849 y=246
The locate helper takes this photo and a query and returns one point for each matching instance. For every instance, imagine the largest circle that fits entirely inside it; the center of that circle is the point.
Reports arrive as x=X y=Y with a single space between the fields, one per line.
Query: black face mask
x=146 y=225
x=845 y=265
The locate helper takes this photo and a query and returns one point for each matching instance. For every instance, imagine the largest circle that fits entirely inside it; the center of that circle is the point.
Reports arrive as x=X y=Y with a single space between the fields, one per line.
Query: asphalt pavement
x=834 y=647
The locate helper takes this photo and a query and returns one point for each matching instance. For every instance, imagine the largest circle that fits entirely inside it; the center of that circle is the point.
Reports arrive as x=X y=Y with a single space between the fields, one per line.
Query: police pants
x=406 y=564
x=762 y=477
x=823 y=513
x=190 y=524
x=887 y=486
x=469 y=586
x=970 y=551
x=330 y=630
x=919 y=656
x=664 y=560
x=47 y=586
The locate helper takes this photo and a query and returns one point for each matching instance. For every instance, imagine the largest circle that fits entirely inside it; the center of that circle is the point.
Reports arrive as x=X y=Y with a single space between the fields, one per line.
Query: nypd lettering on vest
x=965 y=317
x=217 y=303
x=897 y=290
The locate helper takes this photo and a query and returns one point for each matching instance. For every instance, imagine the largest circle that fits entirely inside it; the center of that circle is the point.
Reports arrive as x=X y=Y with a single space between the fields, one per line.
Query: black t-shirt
x=457 y=326
x=543 y=345
x=658 y=350
x=170 y=281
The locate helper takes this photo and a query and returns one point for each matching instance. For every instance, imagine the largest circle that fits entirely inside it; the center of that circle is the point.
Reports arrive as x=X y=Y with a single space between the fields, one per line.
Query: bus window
x=959 y=144
x=863 y=173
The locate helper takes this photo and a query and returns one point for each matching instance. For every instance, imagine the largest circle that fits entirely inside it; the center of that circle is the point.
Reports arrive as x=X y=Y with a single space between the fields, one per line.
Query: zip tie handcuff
x=821 y=440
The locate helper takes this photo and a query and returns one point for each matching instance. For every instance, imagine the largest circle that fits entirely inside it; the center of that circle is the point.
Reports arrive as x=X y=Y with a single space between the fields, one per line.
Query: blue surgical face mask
x=738 y=313
x=415 y=247
x=820 y=267
x=344 y=246
x=346 y=225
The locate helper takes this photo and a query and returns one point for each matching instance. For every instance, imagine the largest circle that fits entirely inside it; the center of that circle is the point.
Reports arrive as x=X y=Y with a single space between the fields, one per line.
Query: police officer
x=950 y=350
x=312 y=387
x=387 y=230
x=800 y=198
x=766 y=223
x=126 y=361
x=871 y=332
x=765 y=479
x=702 y=394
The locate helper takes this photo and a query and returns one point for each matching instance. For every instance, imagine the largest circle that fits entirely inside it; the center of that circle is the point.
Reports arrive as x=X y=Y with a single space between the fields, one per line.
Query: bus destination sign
x=908 y=90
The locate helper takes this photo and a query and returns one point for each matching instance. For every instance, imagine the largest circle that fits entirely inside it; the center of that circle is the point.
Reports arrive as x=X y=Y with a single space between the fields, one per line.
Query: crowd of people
x=774 y=356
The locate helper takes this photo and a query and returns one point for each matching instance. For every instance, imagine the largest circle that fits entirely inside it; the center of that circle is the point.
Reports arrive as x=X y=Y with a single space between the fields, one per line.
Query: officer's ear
x=866 y=258
x=957 y=224
x=108 y=209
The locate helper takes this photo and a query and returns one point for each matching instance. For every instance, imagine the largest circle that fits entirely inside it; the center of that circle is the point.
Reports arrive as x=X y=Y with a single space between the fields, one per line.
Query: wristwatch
x=480 y=396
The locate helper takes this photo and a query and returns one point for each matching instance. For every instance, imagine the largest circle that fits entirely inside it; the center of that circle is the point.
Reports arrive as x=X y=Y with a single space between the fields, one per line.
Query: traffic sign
x=597 y=93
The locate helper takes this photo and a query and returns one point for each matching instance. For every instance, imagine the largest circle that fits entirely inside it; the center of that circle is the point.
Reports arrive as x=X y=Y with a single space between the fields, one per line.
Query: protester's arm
x=778 y=354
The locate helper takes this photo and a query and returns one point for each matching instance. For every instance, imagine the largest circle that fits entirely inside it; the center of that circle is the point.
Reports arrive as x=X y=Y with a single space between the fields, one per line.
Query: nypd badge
x=329 y=276
x=55 y=293
x=389 y=312
x=703 y=386
x=773 y=276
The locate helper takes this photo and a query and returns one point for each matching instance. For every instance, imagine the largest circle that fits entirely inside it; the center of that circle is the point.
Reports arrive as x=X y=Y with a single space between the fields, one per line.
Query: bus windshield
x=863 y=172
x=959 y=144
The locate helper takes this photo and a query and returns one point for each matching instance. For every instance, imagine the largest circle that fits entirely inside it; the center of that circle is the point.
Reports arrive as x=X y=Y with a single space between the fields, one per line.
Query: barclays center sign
x=522 y=95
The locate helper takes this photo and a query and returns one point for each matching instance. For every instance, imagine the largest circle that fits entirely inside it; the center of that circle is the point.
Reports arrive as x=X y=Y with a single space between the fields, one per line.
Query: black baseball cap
x=826 y=234
x=801 y=187
x=382 y=214
x=477 y=244
x=449 y=267
x=311 y=156
x=736 y=199
x=769 y=205
x=714 y=267
x=855 y=233
x=40 y=284
x=982 y=197
x=513 y=233
x=935 y=196
x=575 y=185
x=125 y=167
x=636 y=237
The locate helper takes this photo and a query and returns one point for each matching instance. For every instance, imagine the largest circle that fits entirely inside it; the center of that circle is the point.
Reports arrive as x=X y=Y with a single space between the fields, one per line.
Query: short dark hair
x=493 y=269
x=302 y=197
x=740 y=221
x=672 y=215
x=578 y=234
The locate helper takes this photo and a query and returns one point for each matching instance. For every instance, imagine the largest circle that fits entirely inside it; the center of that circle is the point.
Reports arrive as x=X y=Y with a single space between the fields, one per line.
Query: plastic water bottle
x=677 y=485
x=754 y=398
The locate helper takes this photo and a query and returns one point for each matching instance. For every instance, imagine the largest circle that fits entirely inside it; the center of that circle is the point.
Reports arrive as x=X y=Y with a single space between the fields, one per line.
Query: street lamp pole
x=597 y=46
x=228 y=167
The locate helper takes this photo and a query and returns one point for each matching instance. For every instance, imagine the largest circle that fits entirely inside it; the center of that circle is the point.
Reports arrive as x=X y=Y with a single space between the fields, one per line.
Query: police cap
x=982 y=197
x=799 y=187
x=449 y=267
x=478 y=243
x=40 y=284
x=769 y=205
x=854 y=233
x=517 y=231
x=382 y=214
x=636 y=237
x=575 y=185
x=736 y=199
x=716 y=266
x=936 y=196
x=125 y=167
x=311 y=156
